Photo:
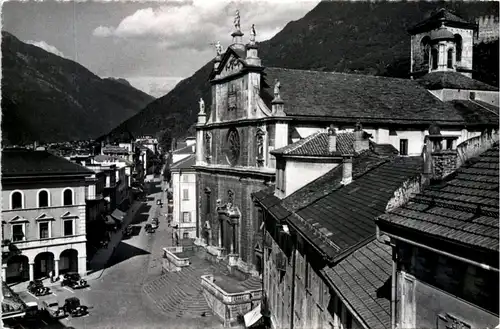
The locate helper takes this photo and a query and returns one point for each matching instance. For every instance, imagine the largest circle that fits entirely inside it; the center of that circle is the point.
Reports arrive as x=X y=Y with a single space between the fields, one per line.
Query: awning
x=252 y=317
x=118 y=214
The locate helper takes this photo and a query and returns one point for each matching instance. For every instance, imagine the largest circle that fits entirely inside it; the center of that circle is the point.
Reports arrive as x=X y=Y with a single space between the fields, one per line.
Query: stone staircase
x=180 y=294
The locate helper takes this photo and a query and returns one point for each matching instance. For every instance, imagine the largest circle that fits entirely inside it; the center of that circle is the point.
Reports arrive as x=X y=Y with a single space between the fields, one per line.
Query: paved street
x=117 y=299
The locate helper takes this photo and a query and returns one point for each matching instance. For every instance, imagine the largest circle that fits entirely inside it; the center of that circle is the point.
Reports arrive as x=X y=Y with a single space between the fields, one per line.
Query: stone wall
x=475 y=146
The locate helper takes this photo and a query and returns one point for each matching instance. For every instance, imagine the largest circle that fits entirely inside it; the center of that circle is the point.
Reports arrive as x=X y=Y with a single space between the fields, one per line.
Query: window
x=449 y=144
x=186 y=217
x=67 y=197
x=43 y=199
x=434 y=54
x=185 y=235
x=185 y=178
x=403 y=147
x=450 y=59
x=43 y=229
x=68 y=227
x=280 y=176
x=17 y=232
x=16 y=200
x=458 y=46
x=185 y=194
x=424 y=45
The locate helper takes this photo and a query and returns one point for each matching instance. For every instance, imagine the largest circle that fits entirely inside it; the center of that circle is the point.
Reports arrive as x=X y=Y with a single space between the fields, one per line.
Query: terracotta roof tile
x=317 y=145
x=349 y=97
x=362 y=279
x=186 y=163
x=452 y=80
x=463 y=209
x=22 y=162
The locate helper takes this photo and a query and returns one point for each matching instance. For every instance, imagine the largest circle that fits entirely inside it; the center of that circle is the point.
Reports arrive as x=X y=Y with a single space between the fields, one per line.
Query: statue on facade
x=277 y=87
x=252 y=33
x=237 y=20
x=218 y=48
x=230 y=195
x=202 y=106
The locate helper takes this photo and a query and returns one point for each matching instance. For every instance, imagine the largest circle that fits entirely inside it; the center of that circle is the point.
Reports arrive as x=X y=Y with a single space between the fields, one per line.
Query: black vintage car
x=37 y=288
x=74 y=281
x=73 y=307
x=149 y=229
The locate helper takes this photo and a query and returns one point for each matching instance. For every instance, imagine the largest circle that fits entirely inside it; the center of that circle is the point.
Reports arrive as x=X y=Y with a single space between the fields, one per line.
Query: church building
x=255 y=110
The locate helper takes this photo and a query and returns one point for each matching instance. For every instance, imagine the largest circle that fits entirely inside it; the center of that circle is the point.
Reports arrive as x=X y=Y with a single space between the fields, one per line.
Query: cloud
x=198 y=23
x=45 y=46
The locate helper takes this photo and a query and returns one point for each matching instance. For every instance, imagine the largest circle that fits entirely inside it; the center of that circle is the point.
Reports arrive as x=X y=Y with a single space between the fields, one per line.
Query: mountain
x=48 y=98
x=343 y=36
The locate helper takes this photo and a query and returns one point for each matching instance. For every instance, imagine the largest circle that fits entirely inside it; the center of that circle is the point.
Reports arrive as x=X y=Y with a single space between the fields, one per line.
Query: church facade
x=254 y=110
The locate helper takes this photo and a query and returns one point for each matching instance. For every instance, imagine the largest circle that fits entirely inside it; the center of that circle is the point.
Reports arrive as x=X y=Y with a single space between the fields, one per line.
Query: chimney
x=361 y=142
x=332 y=139
x=440 y=154
x=346 y=170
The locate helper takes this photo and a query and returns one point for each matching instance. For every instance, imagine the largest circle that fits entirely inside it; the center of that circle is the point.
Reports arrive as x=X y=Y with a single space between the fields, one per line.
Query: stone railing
x=171 y=262
x=54 y=241
x=475 y=146
x=228 y=306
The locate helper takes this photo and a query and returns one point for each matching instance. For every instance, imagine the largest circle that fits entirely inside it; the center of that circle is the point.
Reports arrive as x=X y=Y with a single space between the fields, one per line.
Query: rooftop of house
x=184 y=149
x=186 y=163
x=115 y=149
x=477 y=111
x=452 y=80
x=363 y=280
x=441 y=16
x=371 y=99
x=317 y=145
x=23 y=162
x=335 y=217
x=462 y=210
x=111 y=158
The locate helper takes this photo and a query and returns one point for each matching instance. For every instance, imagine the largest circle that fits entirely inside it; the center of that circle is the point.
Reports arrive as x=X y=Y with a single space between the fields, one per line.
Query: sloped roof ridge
x=339 y=186
x=182 y=161
x=381 y=77
x=292 y=147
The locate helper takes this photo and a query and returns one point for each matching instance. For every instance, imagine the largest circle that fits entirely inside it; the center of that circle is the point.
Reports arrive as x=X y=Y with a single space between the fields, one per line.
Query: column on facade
x=32 y=271
x=221 y=229
x=56 y=268
x=233 y=241
x=82 y=265
x=4 y=272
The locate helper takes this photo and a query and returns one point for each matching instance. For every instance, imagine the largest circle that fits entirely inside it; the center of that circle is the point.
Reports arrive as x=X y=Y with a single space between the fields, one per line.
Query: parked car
x=53 y=309
x=74 y=281
x=31 y=311
x=149 y=228
x=73 y=307
x=37 y=288
x=155 y=223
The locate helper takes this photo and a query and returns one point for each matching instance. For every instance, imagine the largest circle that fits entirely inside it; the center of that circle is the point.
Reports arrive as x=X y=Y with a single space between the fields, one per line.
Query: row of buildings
x=56 y=210
x=361 y=201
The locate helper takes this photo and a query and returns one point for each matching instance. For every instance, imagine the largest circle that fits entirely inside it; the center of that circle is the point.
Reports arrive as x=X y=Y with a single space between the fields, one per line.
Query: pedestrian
x=51 y=275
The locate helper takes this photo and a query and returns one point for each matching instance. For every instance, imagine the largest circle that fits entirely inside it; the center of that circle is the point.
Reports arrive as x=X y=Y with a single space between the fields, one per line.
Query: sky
x=152 y=44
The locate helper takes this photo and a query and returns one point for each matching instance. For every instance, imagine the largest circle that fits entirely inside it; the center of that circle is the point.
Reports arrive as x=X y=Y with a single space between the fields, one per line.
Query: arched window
x=425 y=47
x=434 y=59
x=450 y=59
x=458 y=47
x=68 y=197
x=16 y=200
x=43 y=199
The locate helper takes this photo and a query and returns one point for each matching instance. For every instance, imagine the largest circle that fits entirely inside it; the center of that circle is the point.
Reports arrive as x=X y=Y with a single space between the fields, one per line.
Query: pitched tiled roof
x=347 y=215
x=438 y=18
x=330 y=181
x=22 y=162
x=384 y=149
x=105 y=157
x=463 y=209
x=184 y=150
x=477 y=111
x=349 y=97
x=186 y=163
x=317 y=145
x=452 y=80
x=363 y=280
x=114 y=149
